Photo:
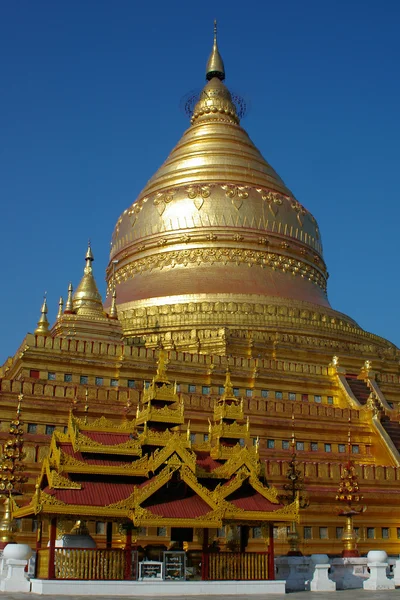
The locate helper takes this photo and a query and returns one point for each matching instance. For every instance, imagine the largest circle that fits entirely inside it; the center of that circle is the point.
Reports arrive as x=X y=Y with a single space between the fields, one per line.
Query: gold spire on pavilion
x=215 y=64
x=230 y=431
x=43 y=323
x=161 y=403
x=87 y=299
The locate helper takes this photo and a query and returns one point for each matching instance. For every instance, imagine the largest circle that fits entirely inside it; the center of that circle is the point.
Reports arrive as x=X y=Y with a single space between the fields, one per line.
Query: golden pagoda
x=217 y=263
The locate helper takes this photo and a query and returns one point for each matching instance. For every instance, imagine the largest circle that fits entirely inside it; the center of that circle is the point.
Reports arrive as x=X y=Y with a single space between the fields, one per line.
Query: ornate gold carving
x=134 y=210
x=273 y=200
x=222 y=255
x=103 y=424
x=162 y=199
x=198 y=194
x=59 y=482
x=237 y=193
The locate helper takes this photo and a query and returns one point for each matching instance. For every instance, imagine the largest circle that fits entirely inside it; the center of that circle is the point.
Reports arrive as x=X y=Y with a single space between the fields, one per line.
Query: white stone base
x=295 y=570
x=349 y=573
x=396 y=573
x=320 y=581
x=15 y=580
x=158 y=588
x=378 y=579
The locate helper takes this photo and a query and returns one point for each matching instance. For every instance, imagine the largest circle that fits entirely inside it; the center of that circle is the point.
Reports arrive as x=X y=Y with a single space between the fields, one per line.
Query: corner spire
x=43 y=323
x=113 y=309
x=60 y=308
x=87 y=300
x=68 y=305
x=215 y=65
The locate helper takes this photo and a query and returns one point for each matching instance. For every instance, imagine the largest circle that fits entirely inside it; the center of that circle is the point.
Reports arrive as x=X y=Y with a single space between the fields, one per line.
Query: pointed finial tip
x=89 y=253
x=215 y=65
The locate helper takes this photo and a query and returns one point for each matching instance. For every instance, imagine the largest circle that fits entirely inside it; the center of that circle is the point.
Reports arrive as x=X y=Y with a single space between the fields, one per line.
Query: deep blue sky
x=89 y=108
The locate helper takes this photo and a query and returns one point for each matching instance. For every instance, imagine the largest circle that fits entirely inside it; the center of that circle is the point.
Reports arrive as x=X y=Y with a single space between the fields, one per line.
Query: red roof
x=207 y=463
x=107 y=439
x=185 y=508
x=254 y=502
x=93 y=493
x=103 y=462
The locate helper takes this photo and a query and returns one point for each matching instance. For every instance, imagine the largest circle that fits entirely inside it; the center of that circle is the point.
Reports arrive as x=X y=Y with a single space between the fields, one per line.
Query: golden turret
x=161 y=408
x=43 y=323
x=84 y=314
x=60 y=308
x=87 y=299
x=69 y=306
x=113 y=309
x=230 y=431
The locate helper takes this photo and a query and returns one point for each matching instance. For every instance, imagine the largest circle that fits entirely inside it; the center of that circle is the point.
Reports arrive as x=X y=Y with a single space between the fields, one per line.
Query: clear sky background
x=90 y=107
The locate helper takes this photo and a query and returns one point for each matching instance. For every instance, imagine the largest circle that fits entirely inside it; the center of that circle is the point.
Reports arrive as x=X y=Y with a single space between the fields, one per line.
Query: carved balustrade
x=230 y=566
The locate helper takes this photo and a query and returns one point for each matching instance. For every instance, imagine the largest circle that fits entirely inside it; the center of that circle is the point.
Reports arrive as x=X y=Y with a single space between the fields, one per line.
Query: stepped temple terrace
x=215 y=411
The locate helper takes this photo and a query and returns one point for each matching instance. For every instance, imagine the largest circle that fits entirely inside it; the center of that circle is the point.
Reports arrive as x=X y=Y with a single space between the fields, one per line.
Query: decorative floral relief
x=273 y=200
x=237 y=193
x=300 y=210
x=162 y=199
x=198 y=193
x=135 y=209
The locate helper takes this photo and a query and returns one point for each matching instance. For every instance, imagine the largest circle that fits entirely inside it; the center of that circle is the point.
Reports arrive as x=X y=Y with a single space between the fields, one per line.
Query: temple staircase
x=392 y=428
x=359 y=388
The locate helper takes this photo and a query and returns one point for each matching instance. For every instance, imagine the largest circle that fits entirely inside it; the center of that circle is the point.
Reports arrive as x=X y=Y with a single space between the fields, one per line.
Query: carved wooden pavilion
x=144 y=473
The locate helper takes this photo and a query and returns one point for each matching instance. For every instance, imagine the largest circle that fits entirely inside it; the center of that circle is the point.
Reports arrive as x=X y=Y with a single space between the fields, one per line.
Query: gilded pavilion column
x=52 y=548
x=128 y=553
x=109 y=535
x=271 y=557
x=204 y=561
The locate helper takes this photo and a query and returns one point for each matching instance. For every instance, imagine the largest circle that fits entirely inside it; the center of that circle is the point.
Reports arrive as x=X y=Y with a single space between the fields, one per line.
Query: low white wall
x=161 y=588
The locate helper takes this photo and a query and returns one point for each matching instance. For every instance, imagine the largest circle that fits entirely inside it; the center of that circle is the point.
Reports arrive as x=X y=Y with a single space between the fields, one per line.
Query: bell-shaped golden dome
x=214 y=229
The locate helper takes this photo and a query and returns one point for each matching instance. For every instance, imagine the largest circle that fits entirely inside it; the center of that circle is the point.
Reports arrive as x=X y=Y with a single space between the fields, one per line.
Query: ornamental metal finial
x=215 y=65
x=89 y=258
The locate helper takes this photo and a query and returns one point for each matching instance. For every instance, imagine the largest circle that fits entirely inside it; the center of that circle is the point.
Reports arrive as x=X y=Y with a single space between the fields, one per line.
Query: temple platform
x=157 y=589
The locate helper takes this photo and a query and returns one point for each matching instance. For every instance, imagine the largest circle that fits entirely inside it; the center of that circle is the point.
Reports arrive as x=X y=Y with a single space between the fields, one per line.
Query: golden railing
x=79 y=563
x=236 y=566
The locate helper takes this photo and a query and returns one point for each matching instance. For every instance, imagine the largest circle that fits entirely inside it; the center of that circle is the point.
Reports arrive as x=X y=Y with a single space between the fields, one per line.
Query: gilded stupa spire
x=215 y=101
x=43 y=323
x=113 y=314
x=215 y=64
x=87 y=299
x=113 y=308
x=69 y=306
x=60 y=308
